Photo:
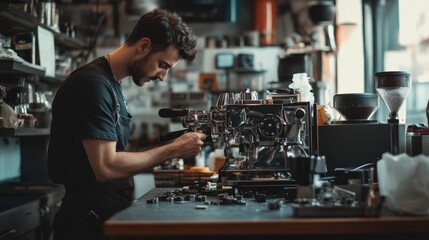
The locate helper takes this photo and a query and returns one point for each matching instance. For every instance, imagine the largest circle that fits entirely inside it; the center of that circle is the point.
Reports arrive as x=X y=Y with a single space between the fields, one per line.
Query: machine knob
x=300 y=113
x=270 y=125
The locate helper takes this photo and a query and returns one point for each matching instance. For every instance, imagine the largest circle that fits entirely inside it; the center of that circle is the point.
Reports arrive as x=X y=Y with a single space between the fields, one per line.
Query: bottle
x=265 y=20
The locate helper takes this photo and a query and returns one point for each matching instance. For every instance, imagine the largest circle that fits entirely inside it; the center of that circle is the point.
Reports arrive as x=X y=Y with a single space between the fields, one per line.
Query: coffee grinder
x=359 y=141
x=393 y=88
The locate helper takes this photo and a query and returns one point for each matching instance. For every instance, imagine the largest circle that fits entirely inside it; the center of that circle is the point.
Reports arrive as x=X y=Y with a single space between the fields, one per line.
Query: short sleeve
x=95 y=113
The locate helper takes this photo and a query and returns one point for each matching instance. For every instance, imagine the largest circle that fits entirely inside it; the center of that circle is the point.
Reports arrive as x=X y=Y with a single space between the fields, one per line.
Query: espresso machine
x=267 y=132
x=358 y=140
x=276 y=154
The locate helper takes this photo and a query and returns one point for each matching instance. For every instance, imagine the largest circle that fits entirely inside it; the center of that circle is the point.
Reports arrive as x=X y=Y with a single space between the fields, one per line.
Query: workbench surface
x=252 y=221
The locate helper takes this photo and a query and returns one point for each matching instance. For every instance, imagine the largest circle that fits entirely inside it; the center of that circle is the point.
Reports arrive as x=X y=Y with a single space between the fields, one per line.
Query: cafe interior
x=316 y=115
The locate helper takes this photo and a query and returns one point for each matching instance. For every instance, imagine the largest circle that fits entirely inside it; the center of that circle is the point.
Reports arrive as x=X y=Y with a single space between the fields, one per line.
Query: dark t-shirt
x=85 y=108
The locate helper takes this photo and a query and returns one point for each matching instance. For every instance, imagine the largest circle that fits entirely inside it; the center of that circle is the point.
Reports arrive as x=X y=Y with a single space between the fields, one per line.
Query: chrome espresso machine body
x=267 y=132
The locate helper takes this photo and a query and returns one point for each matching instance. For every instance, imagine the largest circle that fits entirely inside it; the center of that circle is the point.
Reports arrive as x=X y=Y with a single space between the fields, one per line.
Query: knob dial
x=270 y=125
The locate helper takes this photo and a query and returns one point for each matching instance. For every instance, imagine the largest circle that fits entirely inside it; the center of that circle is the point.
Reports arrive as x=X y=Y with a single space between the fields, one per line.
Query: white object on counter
x=404 y=181
x=301 y=84
x=217 y=153
x=200 y=159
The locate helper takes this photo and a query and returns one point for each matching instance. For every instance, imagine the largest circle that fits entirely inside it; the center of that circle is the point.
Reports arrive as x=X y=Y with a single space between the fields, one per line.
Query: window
x=404 y=46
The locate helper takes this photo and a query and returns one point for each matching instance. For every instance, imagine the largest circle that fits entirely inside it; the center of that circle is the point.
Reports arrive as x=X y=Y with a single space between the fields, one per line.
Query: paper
x=404 y=181
x=46 y=50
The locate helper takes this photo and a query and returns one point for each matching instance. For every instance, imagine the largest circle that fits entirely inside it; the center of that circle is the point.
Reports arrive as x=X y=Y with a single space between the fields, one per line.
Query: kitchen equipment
x=266 y=134
x=39 y=107
x=303 y=168
x=293 y=63
x=247 y=95
x=247 y=79
x=393 y=88
x=348 y=144
x=357 y=140
x=322 y=15
x=417 y=144
x=356 y=106
x=321 y=12
x=417 y=139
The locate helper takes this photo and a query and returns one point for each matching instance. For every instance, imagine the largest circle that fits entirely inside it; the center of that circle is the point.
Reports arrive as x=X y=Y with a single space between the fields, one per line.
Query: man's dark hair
x=165 y=28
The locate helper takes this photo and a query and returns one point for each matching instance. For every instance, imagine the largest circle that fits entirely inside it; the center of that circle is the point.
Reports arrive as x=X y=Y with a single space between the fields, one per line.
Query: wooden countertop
x=165 y=219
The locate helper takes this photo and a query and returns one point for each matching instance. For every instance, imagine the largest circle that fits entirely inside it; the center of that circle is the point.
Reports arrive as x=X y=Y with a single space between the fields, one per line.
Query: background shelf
x=15 y=20
x=12 y=67
x=20 y=132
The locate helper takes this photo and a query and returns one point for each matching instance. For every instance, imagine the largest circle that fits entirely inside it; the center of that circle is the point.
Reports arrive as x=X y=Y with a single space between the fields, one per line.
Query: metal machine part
x=331 y=201
x=266 y=134
x=417 y=139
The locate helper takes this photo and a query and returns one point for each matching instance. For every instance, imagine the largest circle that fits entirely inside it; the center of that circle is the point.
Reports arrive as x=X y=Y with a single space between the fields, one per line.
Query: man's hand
x=189 y=144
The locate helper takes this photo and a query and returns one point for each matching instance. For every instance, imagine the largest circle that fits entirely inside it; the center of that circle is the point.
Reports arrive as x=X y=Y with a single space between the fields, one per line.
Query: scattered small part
x=201 y=207
x=275 y=205
x=201 y=198
x=260 y=197
x=153 y=200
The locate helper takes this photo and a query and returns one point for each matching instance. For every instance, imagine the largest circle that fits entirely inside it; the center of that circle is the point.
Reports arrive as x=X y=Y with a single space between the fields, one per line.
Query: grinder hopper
x=393 y=88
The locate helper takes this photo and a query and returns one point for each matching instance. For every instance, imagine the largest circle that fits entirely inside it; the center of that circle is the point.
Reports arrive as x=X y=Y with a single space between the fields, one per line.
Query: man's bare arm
x=108 y=164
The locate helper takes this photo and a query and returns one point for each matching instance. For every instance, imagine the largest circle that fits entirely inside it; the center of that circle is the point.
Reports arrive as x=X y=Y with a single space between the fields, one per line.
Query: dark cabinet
x=20 y=217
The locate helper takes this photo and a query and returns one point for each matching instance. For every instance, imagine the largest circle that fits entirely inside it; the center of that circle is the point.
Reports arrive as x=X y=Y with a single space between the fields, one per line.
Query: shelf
x=65 y=42
x=15 y=20
x=248 y=71
x=56 y=79
x=21 y=132
x=12 y=67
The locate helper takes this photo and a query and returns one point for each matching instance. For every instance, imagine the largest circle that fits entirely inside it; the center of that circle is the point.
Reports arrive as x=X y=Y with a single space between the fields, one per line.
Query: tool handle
x=172 y=112
x=172 y=135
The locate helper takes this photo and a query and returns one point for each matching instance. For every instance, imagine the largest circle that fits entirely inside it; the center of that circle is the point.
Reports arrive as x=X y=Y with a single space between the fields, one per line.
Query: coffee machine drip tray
x=355 y=121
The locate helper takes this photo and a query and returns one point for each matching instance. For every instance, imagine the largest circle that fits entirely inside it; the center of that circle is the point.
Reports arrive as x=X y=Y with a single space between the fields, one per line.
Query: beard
x=139 y=75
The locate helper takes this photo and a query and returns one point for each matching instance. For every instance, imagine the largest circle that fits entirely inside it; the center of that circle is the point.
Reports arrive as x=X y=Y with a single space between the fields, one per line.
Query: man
x=90 y=126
